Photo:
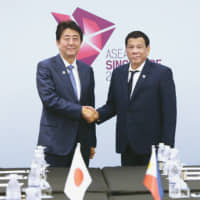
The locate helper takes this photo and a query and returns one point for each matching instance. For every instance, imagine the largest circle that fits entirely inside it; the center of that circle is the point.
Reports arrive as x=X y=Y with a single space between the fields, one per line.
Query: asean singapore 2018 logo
x=96 y=31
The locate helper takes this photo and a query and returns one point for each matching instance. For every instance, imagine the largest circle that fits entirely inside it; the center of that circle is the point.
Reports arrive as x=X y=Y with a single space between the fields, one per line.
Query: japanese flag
x=78 y=179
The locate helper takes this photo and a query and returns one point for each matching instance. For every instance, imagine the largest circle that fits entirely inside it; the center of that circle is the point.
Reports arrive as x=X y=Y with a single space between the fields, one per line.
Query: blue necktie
x=71 y=76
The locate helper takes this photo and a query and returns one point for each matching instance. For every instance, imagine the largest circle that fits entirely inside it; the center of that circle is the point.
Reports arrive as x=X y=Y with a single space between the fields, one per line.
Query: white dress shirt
x=76 y=75
x=136 y=75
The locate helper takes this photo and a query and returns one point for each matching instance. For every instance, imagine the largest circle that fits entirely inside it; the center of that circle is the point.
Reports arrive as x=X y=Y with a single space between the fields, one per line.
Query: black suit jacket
x=61 y=123
x=150 y=116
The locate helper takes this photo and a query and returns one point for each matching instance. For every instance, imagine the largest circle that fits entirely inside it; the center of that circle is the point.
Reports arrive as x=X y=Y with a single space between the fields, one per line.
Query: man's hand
x=92 y=152
x=89 y=114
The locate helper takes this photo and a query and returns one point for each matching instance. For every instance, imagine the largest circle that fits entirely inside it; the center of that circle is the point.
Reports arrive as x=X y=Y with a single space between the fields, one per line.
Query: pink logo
x=96 y=31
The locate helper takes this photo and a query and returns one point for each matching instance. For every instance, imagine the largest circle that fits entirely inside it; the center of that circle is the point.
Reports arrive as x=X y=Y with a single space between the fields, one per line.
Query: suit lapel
x=62 y=72
x=124 y=82
x=81 y=72
x=143 y=77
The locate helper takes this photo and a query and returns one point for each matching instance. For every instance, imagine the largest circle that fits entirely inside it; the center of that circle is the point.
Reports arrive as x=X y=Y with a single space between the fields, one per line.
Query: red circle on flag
x=78 y=177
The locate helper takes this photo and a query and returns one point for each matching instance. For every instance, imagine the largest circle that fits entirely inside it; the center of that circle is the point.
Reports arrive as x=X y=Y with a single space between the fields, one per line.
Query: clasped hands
x=89 y=114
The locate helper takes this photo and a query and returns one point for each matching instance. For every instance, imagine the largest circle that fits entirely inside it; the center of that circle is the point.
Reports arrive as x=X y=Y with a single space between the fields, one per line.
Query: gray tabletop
x=141 y=197
x=57 y=178
x=128 y=180
x=88 y=196
x=122 y=183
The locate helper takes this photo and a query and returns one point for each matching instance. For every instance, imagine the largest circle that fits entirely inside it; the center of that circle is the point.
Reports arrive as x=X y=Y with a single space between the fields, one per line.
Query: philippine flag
x=152 y=180
x=78 y=179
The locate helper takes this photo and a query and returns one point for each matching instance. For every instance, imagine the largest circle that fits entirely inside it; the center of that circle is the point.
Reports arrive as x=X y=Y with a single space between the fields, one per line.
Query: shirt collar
x=140 y=68
x=67 y=64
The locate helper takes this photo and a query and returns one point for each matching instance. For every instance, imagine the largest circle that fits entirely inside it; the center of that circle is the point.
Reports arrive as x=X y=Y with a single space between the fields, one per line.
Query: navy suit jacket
x=61 y=122
x=149 y=117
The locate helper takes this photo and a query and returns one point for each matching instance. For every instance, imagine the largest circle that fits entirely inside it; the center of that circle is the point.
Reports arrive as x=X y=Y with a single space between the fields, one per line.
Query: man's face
x=69 y=43
x=137 y=51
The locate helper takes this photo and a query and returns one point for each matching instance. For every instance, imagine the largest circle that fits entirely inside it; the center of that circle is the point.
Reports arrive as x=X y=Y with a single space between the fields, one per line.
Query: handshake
x=89 y=114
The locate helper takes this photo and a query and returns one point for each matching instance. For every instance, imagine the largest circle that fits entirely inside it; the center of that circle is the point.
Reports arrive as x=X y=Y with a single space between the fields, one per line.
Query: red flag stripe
x=151 y=183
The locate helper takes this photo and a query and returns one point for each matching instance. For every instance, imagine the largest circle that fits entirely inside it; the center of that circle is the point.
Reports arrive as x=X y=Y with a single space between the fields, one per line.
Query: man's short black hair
x=68 y=24
x=137 y=34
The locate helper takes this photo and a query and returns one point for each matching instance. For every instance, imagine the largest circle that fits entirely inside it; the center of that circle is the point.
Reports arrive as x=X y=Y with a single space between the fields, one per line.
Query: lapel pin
x=143 y=76
x=63 y=72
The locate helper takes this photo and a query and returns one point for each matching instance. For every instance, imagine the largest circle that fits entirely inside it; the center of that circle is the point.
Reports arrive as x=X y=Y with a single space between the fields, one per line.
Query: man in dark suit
x=65 y=85
x=142 y=95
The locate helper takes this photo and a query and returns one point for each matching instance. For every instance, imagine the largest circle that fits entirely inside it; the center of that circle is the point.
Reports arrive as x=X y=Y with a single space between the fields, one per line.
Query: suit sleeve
x=168 y=107
x=108 y=110
x=50 y=99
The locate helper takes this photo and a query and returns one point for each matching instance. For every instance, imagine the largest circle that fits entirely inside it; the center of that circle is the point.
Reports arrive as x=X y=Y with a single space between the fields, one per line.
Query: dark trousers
x=131 y=158
x=66 y=160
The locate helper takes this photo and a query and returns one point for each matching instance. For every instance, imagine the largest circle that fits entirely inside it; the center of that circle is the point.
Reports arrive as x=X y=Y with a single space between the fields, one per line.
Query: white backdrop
x=28 y=36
